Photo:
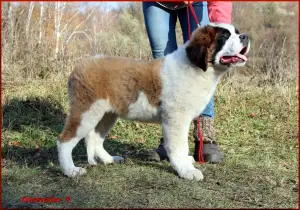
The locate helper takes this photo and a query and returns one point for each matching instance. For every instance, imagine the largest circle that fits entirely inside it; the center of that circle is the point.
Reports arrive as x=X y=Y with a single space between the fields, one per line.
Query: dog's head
x=218 y=45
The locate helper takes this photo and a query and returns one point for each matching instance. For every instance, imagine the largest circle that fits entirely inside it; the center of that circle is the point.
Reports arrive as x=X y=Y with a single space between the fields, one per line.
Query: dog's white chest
x=187 y=91
x=142 y=110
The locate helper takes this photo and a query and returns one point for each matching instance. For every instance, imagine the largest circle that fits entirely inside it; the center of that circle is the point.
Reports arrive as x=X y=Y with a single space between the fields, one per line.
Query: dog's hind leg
x=90 y=142
x=95 y=140
x=175 y=131
x=78 y=126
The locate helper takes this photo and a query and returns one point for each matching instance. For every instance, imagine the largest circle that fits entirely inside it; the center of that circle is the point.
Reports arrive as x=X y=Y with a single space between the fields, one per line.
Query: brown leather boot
x=210 y=150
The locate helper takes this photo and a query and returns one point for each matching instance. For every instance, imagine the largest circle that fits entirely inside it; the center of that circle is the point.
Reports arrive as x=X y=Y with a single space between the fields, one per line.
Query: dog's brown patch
x=118 y=80
x=201 y=46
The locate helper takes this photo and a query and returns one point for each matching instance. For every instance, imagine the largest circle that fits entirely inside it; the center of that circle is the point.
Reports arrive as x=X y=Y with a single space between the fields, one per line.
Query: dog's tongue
x=242 y=57
x=234 y=59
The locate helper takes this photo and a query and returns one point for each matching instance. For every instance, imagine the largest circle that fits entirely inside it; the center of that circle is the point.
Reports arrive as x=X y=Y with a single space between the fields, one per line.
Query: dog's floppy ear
x=198 y=47
x=197 y=54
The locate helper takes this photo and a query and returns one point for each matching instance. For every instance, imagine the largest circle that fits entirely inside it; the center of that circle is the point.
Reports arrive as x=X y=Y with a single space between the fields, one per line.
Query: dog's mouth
x=238 y=58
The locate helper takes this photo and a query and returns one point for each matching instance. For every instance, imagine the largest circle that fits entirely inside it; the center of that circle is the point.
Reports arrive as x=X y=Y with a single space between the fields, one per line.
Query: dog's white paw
x=118 y=159
x=92 y=161
x=76 y=171
x=192 y=159
x=191 y=174
x=112 y=160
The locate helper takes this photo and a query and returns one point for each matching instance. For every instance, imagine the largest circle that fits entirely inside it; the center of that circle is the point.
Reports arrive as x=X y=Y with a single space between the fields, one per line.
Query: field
x=256 y=122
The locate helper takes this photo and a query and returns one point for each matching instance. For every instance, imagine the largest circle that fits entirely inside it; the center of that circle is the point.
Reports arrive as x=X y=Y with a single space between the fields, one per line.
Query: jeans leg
x=160 y=26
x=202 y=14
x=209 y=110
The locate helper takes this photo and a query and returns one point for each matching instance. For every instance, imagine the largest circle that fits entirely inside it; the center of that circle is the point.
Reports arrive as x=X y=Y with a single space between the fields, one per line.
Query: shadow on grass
x=45 y=157
x=47 y=114
x=43 y=113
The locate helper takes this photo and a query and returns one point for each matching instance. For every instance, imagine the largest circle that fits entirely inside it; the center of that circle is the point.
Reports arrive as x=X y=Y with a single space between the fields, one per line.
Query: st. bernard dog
x=172 y=91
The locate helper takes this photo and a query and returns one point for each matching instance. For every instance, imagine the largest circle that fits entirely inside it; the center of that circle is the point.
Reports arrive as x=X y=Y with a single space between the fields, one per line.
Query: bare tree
x=31 y=6
x=76 y=31
x=11 y=18
x=41 y=21
x=95 y=21
x=5 y=9
x=58 y=13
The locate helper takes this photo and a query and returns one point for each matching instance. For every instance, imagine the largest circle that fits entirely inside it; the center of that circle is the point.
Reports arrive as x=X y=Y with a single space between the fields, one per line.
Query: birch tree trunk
x=95 y=47
x=31 y=6
x=11 y=20
x=5 y=21
x=41 y=21
x=59 y=10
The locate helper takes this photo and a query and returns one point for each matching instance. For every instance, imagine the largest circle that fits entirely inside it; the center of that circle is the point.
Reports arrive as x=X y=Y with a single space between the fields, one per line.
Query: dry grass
x=261 y=152
x=273 y=56
x=260 y=168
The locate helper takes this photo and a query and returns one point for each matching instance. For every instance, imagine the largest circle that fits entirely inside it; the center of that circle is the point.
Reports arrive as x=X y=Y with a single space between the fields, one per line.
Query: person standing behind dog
x=160 y=21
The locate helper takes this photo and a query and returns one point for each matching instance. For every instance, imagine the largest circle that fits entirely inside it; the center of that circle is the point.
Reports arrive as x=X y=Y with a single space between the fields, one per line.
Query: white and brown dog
x=171 y=91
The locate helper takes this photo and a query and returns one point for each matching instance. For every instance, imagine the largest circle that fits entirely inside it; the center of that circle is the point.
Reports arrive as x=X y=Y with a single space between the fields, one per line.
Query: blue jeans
x=160 y=25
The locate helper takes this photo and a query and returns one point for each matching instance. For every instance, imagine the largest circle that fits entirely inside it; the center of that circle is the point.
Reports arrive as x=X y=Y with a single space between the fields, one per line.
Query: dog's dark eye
x=226 y=35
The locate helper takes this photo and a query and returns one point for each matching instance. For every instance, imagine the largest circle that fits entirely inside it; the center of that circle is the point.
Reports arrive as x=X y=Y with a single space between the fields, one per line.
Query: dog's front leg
x=175 y=131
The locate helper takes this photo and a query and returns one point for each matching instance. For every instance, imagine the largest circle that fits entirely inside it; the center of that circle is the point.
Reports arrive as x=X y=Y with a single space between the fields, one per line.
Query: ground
x=257 y=130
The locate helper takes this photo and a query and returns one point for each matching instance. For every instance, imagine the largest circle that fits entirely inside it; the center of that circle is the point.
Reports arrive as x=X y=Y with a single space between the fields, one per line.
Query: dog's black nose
x=244 y=37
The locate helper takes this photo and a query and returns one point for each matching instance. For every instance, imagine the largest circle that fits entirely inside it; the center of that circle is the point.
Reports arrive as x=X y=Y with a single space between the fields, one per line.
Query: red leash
x=190 y=7
x=200 y=150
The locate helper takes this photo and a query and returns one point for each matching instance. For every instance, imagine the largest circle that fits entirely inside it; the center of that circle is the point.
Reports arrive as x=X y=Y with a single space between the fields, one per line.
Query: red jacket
x=219 y=11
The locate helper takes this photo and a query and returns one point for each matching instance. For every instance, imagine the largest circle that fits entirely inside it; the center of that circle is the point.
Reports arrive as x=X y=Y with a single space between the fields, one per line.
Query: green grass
x=260 y=168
